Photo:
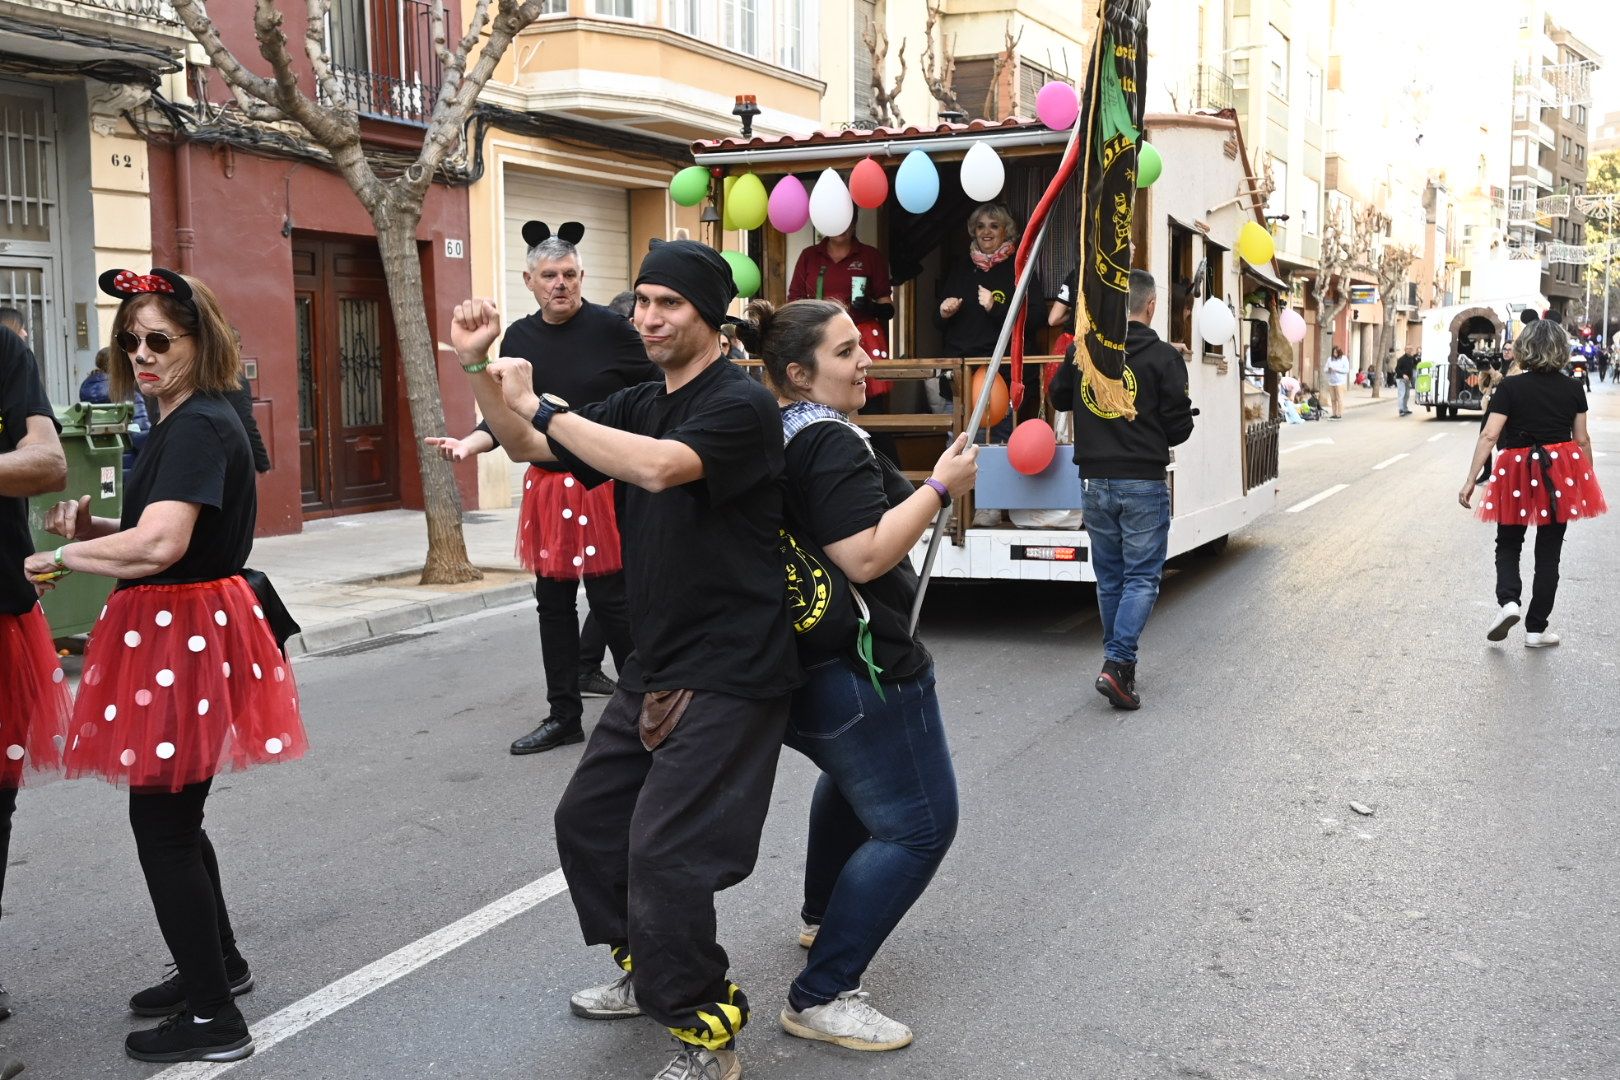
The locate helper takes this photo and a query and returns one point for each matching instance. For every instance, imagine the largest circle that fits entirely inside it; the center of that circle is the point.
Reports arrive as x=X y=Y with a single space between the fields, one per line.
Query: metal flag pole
x=983 y=404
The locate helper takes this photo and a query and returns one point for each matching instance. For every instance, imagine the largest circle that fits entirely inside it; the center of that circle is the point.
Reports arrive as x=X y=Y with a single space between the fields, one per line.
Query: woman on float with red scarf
x=183 y=676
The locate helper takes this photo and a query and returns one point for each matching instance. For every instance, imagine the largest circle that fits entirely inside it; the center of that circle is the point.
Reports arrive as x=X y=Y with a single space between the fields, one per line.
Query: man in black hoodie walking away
x=1127 y=497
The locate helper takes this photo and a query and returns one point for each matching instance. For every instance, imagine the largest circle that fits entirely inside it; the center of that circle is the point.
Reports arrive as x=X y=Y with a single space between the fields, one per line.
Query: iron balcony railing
x=383 y=56
x=156 y=10
x=1212 y=88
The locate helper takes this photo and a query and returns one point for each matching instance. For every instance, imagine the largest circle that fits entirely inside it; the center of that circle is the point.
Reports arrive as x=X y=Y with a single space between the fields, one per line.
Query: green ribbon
x=864 y=649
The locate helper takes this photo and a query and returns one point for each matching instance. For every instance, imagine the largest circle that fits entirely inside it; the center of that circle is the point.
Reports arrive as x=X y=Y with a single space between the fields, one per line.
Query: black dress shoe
x=548 y=736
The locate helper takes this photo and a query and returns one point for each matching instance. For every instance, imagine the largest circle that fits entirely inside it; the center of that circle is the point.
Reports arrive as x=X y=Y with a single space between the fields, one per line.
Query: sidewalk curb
x=333 y=635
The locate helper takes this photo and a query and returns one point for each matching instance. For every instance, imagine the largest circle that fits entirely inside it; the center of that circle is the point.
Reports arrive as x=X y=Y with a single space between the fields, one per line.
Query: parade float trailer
x=1458 y=340
x=1185 y=230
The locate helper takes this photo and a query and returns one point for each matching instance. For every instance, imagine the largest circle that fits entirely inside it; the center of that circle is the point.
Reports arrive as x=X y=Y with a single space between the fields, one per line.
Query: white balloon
x=831 y=209
x=982 y=173
x=1216 y=323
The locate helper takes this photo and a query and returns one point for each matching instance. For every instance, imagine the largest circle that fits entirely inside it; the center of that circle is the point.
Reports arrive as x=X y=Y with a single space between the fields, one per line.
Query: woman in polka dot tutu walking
x=1543 y=476
x=183 y=677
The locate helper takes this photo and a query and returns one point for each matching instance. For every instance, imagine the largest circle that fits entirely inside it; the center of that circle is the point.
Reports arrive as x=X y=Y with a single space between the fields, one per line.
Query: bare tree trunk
x=447 y=561
x=1327 y=318
x=1386 y=341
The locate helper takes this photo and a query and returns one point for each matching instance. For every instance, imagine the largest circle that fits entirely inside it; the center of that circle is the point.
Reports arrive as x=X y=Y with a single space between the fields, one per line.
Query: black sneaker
x=1117 y=683
x=5 y=1003
x=169 y=996
x=10 y=1067
x=595 y=684
x=183 y=1038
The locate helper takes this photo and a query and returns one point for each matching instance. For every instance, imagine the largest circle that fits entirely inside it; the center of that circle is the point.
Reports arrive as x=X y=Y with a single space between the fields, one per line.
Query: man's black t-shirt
x=707 y=587
x=837 y=488
x=1540 y=408
x=21 y=396
x=583 y=360
x=199 y=454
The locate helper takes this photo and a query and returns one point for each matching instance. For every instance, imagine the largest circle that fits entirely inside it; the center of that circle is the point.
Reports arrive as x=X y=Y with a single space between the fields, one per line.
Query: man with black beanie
x=668 y=802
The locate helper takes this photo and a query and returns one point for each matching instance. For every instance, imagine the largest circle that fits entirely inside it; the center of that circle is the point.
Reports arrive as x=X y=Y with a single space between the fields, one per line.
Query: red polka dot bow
x=127 y=283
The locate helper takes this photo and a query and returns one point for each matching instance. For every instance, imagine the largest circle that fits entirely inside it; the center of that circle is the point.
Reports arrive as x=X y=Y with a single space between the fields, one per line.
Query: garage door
x=605 y=213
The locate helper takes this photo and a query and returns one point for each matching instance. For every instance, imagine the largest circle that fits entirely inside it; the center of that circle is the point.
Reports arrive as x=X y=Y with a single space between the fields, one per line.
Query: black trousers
x=1544 y=586
x=646 y=839
x=592 y=645
x=182 y=875
x=559 y=634
x=8 y=806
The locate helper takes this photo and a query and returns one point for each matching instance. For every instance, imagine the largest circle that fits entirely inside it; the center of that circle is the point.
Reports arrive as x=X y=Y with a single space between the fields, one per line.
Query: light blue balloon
x=916 y=184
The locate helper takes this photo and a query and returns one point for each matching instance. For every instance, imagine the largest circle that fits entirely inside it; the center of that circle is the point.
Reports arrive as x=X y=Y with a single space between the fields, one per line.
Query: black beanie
x=694 y=270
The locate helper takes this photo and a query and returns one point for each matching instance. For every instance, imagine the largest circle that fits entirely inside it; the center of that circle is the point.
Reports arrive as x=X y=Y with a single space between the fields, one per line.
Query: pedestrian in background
x=1126 y=490
x=94 y=390
x=1544 y=476
x=183 y=677
x=1405 y=379
x=668 y=802
x=884 y=810
x=34 y=701
x=1338 y=374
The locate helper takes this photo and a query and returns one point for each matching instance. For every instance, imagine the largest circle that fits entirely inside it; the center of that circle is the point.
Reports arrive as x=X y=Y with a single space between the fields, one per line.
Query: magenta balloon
x=789 y=205
x=1292 y=325
x=1057 y=106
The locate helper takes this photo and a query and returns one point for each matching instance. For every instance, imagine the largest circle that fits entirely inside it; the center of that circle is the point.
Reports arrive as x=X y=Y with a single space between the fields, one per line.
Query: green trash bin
x=94 y=438
x=1425 y=379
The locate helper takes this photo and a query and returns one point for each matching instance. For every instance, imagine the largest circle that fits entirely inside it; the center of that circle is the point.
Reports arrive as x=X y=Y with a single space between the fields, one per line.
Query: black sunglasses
x=156 y=341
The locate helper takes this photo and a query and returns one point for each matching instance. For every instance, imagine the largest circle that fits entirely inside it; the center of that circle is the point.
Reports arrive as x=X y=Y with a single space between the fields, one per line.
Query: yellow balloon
x=727 y=222
x=1254 y=243
x=749 y=203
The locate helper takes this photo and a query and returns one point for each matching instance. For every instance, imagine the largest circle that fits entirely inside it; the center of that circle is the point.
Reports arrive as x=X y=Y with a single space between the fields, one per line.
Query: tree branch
x=315 y=46
x=243 y=83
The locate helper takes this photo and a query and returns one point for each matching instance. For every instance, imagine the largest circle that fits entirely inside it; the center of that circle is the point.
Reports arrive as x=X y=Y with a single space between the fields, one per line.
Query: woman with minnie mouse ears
x=183 y=676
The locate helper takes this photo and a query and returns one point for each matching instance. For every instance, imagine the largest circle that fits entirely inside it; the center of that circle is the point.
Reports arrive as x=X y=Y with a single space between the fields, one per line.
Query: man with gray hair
x=1127 y=497
x=568 y=535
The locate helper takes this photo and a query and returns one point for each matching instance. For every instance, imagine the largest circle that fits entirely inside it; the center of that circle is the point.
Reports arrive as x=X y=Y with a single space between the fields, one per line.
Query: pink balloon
x=1057 y=106
x=1293 y=325
x=1032 y=446
x=789 y=206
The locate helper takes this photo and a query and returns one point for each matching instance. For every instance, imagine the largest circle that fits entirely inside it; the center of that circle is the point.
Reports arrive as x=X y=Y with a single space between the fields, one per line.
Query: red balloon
x=1032 y=446
x=869 y=184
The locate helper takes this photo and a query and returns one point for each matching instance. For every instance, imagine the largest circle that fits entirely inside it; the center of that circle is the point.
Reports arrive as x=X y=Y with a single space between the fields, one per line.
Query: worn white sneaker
x=1505 y=620
x=615 y=1001
x=807 y=934
x=1543 y=640
x=696 y=1063
x=847 y=1021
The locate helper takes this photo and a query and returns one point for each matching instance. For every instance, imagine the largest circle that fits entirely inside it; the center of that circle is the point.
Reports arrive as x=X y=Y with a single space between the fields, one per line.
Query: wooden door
x=348 y=369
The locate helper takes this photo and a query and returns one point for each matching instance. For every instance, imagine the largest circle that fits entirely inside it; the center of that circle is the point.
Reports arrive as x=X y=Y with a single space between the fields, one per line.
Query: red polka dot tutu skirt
x=35 y=703
x=182 y=682
x=1541 y=485
x=566 y=530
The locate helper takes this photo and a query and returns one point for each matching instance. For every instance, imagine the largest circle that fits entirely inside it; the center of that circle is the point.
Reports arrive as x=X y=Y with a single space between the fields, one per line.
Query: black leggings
x=8 y=804
x=1544 y=586
x=182 y=875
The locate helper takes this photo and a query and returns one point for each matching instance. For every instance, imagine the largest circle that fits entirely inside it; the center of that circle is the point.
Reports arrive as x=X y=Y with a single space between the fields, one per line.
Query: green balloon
x=744 y=271
x=1148 y=165
x=690 y=185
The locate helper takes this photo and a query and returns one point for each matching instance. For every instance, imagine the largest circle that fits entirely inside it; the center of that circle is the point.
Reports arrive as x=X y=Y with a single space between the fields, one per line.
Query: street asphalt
x=1182 y=892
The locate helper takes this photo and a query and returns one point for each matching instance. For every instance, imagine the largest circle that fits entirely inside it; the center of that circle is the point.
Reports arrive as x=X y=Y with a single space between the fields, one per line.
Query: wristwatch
x=550 y=406
x=939 y=489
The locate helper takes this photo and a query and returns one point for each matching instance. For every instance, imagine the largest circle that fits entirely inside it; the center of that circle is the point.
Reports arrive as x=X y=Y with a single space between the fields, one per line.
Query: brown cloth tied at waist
x=661 y=710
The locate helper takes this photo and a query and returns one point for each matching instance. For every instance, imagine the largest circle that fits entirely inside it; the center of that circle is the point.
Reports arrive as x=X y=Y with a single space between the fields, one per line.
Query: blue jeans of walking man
x=1128 y=524
x=1403 y=391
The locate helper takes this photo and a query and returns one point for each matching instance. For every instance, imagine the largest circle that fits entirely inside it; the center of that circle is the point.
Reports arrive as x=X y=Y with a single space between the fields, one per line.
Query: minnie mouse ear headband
x=538 y=232
x=126 y=284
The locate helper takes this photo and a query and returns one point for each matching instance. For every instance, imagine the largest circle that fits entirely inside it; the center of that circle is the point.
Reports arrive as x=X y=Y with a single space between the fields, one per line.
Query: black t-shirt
x=707 y=588
x=1066 y=296
x=973 y=331
x=835 y=489
x=21 y=396
x=199 y=454
x=582 y=361
x=1540 y=408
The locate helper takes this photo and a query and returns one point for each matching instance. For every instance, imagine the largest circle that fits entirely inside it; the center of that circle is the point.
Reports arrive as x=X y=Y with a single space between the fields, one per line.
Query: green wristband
x=473 y=369
x=57 y=558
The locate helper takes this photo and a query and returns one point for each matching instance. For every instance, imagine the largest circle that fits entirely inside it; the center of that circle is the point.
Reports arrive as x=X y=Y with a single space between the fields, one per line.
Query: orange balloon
x=997 y=412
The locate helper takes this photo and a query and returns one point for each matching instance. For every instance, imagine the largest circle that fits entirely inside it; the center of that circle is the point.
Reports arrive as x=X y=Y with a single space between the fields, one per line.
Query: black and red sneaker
x=1117 y=683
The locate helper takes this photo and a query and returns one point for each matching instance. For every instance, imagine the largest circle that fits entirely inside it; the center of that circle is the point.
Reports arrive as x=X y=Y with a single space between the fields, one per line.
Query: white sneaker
x=1543 y=640
x=615 y=1001
x=696 y=1063
x=807 y=934
x=847 y=1021
x=1505 y=620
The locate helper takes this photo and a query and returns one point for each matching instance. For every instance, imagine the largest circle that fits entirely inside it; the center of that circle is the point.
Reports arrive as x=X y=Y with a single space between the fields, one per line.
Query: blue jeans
x=1403 y=388
x=1128 y=523
x=881 y=820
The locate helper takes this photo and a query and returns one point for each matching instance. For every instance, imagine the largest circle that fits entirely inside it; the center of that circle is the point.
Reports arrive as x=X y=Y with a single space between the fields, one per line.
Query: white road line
x=1318 y=497
x=1382 y=465
x=374 y=976
x=1437 y=438
x=1303 y=445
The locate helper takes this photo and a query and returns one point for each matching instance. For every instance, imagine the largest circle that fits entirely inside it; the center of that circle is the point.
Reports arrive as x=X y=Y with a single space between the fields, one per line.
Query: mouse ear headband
x=537 y=232
x=126 y=284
